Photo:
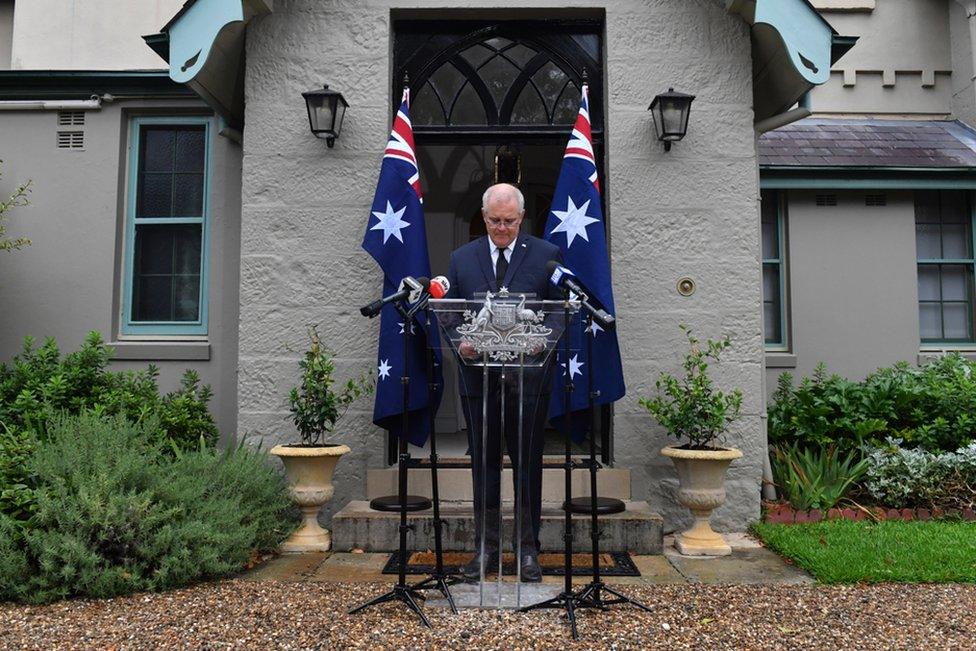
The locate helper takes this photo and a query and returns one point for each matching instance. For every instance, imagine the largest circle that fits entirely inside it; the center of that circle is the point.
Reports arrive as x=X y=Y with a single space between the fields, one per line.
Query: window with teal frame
x=166 y=229
x=774 y=271
x=944 y=248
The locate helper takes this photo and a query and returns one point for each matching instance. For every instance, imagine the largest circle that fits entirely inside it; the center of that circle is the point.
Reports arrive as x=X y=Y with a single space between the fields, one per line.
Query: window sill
x=780 y=360
x=177 y=351
x=925 y=356
x=845 y=6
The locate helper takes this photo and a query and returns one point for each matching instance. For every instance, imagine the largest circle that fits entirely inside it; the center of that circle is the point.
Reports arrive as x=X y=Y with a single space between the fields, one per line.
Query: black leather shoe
x=472 y=569
x=531 y=571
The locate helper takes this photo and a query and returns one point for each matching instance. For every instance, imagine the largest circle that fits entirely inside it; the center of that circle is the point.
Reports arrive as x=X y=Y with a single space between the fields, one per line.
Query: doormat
x=611 y=563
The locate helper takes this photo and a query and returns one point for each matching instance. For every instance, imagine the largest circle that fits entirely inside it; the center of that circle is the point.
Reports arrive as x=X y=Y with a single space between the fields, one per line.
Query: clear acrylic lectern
x=503 y=343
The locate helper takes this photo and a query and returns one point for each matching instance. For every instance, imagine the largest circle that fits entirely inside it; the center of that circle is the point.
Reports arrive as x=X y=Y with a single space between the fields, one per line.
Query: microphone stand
x=402 y=592
x=439 y=579
x=567 y=599
x=592 y=593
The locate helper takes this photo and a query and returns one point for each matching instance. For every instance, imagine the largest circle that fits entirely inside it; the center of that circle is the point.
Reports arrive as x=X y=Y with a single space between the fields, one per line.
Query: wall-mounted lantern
x=670 y=111
x=325 y=111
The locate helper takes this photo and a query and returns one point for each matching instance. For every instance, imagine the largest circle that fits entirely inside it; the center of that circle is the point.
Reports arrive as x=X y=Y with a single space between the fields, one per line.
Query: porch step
x=456 y=483
x=356 y=526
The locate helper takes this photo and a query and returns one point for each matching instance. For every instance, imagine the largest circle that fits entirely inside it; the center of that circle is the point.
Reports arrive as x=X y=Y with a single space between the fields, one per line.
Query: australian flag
x=397 y=239
x=576 y=225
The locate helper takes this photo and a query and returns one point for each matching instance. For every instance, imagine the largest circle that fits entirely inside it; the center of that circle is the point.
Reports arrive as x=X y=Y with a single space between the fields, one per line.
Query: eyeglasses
x=494 y=222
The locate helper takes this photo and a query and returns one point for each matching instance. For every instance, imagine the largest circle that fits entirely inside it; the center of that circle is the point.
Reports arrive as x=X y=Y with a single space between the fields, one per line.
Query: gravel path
x=271 y=615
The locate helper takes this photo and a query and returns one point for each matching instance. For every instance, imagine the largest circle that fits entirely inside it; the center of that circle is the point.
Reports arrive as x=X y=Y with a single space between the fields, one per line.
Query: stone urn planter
x=309 y=470
x=701 y=488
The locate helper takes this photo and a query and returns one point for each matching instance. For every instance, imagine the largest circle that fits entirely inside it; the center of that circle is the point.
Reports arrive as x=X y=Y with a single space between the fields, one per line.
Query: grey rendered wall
x=692 y=212
x=962 y=32
x=900 y=65
x=66 y=283
x=853 y=281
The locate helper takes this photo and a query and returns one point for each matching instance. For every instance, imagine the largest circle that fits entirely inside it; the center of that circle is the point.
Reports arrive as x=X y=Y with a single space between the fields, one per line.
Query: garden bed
x=782 y=513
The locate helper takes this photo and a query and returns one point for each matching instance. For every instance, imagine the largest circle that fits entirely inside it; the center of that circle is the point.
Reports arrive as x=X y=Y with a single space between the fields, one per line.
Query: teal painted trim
x=807 y=183
x=166 y=328
x=882 y=169
x=808 y=38
x=193 y=32
x=82 y=84
x=783 y=343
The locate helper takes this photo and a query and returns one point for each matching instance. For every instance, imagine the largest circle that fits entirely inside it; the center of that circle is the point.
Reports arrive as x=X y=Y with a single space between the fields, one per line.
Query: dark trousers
x=526 y=462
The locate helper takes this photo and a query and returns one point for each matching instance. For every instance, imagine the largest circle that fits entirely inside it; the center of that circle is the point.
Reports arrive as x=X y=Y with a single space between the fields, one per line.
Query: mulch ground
x=271 y=615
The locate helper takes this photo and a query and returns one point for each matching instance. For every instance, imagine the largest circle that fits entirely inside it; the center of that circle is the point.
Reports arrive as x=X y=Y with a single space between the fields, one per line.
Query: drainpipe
x=782 y=119
x=93 y=104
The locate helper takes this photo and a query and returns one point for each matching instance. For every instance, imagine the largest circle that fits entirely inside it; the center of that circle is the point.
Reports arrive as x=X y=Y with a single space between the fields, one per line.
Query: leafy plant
x=117 y=514
x=816 y=478
x=691 y=408
x=901 y=477
x=315 y=406
x=17 y=199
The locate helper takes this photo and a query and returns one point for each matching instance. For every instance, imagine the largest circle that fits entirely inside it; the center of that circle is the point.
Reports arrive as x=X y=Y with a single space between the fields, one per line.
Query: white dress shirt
x=494 y=252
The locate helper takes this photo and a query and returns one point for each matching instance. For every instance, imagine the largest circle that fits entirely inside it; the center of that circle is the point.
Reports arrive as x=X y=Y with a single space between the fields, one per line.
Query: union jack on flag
x=397 y=239
x=576 y=225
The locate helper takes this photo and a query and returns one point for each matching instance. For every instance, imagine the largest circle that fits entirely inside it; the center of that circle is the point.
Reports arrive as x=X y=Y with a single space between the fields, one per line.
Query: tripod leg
x=447 y=594
x=408 y=598
x=571 y=612
x=621 y=598
x=383 y=598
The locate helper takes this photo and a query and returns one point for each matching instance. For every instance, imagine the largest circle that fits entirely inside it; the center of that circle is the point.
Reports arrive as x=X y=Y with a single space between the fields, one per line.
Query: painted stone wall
x=691 y=212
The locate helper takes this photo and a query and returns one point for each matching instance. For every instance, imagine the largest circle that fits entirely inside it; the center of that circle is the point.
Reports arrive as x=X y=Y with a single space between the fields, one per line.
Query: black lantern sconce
x=326 y=109
x=670 y=111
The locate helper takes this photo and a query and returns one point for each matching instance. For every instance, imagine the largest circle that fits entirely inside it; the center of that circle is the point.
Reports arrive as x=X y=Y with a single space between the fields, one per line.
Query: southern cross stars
x=573 y=221
x=575 y=366
x=390 y=222
x=384 y=368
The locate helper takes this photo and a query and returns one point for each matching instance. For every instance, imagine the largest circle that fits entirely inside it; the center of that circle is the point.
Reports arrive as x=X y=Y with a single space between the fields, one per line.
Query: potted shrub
x=315 y=407
x=692 y=410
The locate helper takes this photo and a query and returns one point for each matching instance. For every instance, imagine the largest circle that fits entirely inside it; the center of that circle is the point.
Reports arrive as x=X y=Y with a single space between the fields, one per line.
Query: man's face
x=503 y=219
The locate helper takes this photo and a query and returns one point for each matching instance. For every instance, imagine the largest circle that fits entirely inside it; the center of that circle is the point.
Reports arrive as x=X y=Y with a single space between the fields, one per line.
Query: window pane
x=520 y=54
x=770 y=239
x=771 y=282
x=928 y=241
x=188 y=195
x=771 y=323
x=956 y=241
x=954 y=207
x=190 y=149
x=157 y=149
x=927 y=207
x=567 y=107
x=528 y=108
x=447 y=80
x=468 y=109
x=550 y=81
x=498 y=75
x=425 y=109
x=152 y=298
x=476 y=55
x=955 y=283
x=928 y=283
x=155 y=195
x=930 y=321
x=166 y=286
x=956 y=319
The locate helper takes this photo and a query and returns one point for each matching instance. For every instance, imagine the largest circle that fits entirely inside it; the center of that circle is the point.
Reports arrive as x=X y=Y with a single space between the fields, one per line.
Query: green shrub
x=40 y=382
x=933 y=407
x=901 y=478
x=116 y=514
x=816 y=478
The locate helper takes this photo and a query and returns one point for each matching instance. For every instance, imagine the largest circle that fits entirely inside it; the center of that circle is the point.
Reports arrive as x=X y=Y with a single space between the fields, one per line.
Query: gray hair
x=506 y=189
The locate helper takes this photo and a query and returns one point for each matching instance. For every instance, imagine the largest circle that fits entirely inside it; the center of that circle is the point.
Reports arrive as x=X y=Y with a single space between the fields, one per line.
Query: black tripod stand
x=438 y=580
x=567 y=599
x=402 y=592
x=593 y=592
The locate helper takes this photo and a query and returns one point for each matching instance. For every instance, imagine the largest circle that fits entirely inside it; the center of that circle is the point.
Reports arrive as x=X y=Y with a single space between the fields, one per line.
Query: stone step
x=356 y=526
x=456 y=483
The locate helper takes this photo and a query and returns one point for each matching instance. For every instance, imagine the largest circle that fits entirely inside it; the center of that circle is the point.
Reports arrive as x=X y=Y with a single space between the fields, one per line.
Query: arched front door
x=493 y=101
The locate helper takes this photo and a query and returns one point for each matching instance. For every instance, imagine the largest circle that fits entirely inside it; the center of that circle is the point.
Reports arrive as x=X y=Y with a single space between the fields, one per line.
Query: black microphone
x=410 y=288
x=563 y=278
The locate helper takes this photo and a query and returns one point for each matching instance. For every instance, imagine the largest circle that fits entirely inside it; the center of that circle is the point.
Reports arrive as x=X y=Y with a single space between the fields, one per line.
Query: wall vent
x=875 y=200
x=826 y=199
x=71 y=139
x=71 y=118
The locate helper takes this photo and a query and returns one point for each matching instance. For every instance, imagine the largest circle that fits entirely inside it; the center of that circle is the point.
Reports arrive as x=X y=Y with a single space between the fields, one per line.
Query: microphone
x=563 y=278
x=439 y=287
x=410 y=288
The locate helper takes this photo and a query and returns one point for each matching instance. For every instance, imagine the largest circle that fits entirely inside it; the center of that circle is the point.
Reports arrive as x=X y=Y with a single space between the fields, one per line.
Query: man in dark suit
x=505 y=258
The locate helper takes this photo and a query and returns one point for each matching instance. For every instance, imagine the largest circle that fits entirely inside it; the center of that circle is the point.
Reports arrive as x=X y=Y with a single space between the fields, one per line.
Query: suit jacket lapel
x=484 y=261
x=521 y=250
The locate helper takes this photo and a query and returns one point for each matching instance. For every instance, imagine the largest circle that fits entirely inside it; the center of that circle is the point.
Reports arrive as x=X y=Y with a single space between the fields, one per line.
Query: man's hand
x=467 y=351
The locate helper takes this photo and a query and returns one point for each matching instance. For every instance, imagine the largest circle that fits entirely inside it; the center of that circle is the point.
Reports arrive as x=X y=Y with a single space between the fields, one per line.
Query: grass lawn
x=841 y=551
